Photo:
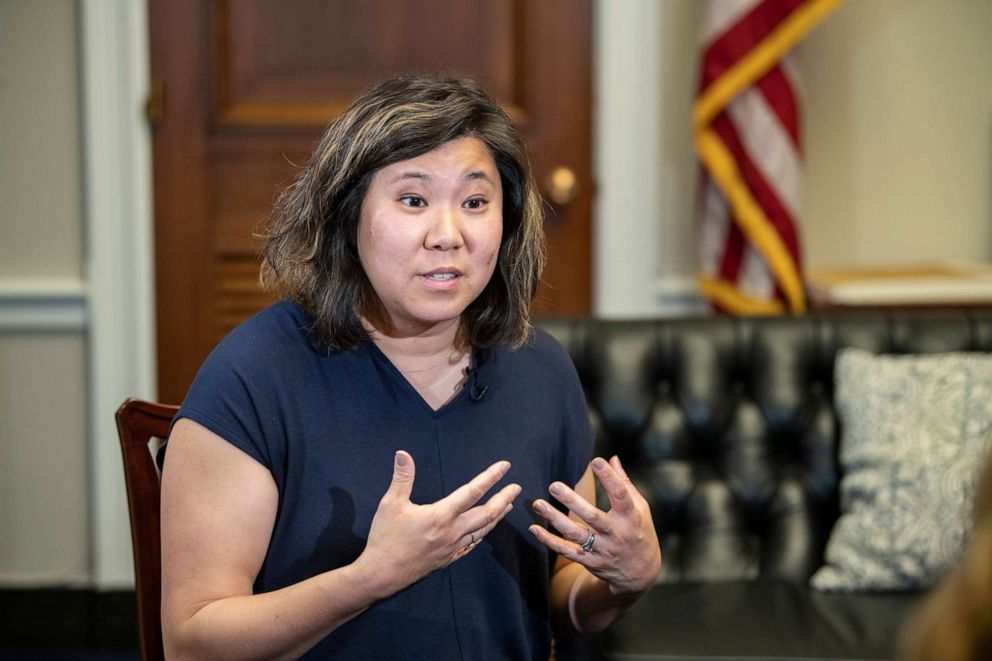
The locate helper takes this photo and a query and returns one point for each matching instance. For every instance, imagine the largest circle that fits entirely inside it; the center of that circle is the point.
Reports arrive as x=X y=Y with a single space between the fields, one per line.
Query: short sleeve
x=236 y=393
x=577 y=436
x=223 y=400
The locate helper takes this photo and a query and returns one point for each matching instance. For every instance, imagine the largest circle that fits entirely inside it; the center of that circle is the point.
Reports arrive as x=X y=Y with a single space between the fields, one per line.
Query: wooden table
x=912 y=287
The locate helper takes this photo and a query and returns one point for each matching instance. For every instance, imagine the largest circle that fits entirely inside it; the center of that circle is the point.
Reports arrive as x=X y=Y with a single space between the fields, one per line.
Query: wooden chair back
x=138 y=424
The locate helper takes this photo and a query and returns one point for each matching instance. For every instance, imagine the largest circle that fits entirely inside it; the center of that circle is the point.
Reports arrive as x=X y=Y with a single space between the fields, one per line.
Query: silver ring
x=472 y=535
x=590 y=540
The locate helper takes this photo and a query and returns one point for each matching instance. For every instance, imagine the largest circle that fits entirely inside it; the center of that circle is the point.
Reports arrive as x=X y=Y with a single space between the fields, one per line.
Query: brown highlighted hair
x=310 y=254
x=954 y=622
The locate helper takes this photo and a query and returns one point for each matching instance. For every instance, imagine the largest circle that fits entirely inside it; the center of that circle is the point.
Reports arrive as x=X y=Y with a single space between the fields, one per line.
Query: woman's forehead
x=462 y=158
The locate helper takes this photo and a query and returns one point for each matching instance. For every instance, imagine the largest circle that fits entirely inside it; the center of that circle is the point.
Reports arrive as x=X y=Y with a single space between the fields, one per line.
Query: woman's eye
x=475 y=203
x=414 y=201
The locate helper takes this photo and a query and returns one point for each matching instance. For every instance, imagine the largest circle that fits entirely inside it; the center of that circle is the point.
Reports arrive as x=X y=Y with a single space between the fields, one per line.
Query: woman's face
x=429 y=234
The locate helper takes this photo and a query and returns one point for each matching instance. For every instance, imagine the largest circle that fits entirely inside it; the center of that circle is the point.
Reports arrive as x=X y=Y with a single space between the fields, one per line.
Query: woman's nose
x=443 y=232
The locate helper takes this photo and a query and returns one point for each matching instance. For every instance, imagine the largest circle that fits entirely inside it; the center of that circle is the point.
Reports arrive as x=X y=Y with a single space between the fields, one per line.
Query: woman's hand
x=408 y=541
x=619 y=546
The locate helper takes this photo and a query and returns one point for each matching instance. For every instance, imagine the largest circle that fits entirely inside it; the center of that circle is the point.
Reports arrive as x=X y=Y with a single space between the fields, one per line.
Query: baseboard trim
x=68 y=619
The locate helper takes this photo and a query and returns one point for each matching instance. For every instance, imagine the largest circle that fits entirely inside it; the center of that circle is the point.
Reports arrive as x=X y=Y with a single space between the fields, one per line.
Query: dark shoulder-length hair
x=310 y=253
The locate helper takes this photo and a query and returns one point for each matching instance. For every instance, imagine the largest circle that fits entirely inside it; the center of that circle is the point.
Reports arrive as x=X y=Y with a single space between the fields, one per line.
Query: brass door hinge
x=155 y=103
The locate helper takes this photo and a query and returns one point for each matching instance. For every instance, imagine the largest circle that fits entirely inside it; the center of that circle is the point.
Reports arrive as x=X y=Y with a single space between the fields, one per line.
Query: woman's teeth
x=441 y=276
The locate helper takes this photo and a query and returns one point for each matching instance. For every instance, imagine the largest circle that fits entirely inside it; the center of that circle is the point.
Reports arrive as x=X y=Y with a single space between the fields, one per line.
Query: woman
x=357 y=471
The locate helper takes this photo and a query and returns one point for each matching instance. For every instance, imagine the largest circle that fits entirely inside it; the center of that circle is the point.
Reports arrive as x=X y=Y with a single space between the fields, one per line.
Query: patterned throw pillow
x=914 y=431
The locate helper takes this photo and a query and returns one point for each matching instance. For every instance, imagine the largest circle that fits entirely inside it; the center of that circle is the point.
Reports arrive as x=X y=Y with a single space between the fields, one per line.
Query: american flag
x=747 y=137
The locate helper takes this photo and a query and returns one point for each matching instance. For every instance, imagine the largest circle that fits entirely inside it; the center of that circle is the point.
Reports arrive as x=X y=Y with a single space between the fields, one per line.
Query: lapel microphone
x=476 y=390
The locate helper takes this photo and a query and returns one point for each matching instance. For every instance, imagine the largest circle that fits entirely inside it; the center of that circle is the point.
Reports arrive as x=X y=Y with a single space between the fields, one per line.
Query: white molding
x=627 y=156
x=119 y=272
x=36 y=305
x=678 y=296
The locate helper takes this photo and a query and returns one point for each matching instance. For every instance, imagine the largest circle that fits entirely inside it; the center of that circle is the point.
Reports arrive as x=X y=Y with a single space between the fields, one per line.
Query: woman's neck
x=433 y=362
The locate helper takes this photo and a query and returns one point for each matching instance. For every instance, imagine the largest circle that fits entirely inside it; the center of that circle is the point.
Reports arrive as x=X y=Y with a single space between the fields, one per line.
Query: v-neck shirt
x=327 y=423
x=375 y=348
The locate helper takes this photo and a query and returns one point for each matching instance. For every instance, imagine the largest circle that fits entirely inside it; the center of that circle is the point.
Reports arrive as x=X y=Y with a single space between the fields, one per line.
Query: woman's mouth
x=442 y=279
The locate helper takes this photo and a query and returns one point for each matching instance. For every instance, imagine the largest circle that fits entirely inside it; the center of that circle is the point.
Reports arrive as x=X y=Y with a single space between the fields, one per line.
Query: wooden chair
x=138 y=422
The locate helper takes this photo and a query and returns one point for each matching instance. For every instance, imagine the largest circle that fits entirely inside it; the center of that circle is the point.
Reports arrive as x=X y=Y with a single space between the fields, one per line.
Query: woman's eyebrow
x=478 y=174
x=423 y=176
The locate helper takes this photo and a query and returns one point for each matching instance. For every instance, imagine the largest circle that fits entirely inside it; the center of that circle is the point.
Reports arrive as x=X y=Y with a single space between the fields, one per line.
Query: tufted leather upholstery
x=727 y=426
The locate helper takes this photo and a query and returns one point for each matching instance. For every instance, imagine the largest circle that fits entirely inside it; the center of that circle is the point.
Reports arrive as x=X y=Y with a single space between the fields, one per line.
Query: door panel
x=339 y=47
x=249 y=86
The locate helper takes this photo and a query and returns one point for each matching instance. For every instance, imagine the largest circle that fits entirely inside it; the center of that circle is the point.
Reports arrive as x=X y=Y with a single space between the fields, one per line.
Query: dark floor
x=66 y=655
x=63 y=624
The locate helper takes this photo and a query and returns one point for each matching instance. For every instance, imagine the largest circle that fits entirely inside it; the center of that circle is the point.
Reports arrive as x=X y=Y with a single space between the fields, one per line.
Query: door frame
x=119 y=271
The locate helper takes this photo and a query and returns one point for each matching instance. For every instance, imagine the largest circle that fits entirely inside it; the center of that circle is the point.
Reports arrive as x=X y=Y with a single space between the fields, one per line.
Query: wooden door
x=244 y=89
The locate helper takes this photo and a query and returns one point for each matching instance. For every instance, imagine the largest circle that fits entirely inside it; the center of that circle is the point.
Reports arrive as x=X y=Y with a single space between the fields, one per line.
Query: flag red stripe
x=733 y=253
x=777 y=90
x=763 y=194
x=743 y=36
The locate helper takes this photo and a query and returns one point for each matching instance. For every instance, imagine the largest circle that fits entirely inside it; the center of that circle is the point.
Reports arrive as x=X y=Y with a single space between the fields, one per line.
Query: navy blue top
x=326 y=424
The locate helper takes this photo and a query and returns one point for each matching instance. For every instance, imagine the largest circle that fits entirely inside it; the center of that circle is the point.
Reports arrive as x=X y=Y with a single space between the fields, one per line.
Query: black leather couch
x=727 y=426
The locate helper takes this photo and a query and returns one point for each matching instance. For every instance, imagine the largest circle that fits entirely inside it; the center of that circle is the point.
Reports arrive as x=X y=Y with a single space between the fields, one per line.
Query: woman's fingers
x=490 y=512
x=580 y=507
x=472 y=491
x=615 y=484
x=404 y=472
x=474 y=536
x=570 y=529
x=618 y=467
x=618 y=489
x=565 y=548
x=414 y=540
x=553 y=542
x=473 y=523
x=620 y=545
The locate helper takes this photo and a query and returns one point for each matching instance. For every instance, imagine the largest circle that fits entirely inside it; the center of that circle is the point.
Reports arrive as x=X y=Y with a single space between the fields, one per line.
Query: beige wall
x=43 y=452
x=40 y=159
x=43 y=461
x=679 y=35
x=899 y=133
